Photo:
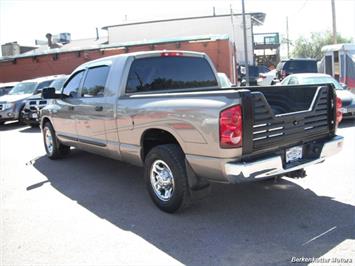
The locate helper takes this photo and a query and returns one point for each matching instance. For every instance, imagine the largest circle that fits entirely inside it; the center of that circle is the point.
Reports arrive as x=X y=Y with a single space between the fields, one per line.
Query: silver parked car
x=30 y=112
x=12 y=104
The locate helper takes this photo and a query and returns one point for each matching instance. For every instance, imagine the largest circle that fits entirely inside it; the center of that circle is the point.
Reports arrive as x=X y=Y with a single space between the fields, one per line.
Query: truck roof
x=139 y=54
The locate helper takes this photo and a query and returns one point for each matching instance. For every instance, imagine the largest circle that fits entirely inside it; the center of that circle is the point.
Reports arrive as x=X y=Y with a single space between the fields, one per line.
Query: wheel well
x=45 y=120
x=154 y=137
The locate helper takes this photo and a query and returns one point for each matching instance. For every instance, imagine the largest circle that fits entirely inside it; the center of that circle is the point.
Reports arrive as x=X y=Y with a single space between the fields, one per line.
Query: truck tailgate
x=285 y=116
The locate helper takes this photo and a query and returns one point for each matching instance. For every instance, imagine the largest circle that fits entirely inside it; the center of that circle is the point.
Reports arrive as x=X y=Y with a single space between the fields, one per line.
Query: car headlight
x=6 y=106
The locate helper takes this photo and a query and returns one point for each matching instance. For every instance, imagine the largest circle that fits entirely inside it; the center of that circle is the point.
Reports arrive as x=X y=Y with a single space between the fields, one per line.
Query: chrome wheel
x=162 y=180
x=48 y=140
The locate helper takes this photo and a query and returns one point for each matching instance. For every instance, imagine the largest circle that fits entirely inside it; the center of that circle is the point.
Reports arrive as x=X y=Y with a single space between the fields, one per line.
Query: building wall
x=220 y=52
x=186 y=28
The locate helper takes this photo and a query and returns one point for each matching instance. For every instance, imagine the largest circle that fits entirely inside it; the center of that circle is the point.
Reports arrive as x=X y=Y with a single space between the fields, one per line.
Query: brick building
x=43 y=62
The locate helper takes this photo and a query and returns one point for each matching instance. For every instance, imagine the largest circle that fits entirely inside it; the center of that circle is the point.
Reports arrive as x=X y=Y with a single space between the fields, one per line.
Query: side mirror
x=49 y=93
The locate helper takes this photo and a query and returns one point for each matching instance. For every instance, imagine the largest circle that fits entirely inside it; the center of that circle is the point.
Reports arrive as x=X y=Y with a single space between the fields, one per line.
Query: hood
x=345 y=96
x=35 y=97
x=13 y=98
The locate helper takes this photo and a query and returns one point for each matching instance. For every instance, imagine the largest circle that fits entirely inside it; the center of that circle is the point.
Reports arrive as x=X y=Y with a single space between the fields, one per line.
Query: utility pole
x=287 y=39
x=334 y=23
x=245 y=45
x=234 y=50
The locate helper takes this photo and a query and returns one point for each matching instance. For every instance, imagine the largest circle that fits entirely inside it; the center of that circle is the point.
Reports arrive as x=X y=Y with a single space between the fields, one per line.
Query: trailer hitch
x=301 y=173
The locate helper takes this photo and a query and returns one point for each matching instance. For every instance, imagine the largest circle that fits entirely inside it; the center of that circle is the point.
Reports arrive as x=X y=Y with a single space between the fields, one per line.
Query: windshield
x=58 y=84
x=23 y=88
x=319 y=80
x=225 y=83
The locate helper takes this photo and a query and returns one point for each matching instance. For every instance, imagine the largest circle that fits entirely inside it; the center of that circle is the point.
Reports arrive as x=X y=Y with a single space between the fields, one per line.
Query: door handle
x=70 y=108
x=99 y=108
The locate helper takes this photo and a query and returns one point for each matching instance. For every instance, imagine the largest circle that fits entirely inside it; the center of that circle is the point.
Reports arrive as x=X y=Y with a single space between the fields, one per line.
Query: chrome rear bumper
x=242 y=171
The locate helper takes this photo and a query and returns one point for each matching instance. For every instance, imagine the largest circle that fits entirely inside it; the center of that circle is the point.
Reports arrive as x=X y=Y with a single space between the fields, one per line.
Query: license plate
x=34 y=115
x=293 y=154
x=344 y=110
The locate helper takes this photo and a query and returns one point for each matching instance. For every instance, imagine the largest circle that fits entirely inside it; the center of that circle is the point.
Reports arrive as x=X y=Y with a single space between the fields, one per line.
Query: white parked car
x=347 y=98
x=267 y=79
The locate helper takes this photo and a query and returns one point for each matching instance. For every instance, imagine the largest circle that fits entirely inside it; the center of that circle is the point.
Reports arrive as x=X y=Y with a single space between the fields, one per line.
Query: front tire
x=166 y=179
x=53 y=147
x=21 y=118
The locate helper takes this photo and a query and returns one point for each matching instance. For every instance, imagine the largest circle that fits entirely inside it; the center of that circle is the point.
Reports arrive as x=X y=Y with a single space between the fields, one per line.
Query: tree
x=312 y=47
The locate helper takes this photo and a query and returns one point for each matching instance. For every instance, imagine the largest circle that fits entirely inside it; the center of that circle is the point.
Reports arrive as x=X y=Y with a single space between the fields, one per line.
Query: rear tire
x=166 y=178
x=53 y=147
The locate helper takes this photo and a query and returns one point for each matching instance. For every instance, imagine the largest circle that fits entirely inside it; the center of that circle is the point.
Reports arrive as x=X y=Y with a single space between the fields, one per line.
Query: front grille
x=42 y=102
x=33 y=102
x=270 y=130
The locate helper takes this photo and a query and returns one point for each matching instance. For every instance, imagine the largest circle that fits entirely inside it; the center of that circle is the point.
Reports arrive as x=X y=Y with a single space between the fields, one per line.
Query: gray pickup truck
x=166 y=111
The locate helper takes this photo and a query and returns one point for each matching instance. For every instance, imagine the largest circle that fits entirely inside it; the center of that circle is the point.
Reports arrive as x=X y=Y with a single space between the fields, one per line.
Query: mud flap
x=199 y=187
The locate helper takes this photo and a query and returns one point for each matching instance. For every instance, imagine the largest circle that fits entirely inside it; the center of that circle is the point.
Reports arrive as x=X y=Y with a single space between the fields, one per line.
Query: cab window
x=94 y=84
x=169 y=73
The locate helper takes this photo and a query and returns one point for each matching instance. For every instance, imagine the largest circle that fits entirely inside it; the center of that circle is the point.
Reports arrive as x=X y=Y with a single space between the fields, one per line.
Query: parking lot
x=90 y=210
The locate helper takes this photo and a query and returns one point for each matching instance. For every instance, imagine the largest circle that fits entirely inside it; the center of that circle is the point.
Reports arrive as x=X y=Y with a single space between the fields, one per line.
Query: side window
x=169 y=73
x=71 y=88
x=94 y=84
x=293 y=81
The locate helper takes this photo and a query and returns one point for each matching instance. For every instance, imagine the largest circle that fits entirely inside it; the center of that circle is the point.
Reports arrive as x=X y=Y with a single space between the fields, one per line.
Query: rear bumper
x=227 y=171
x=273 y=166
x=348 y=111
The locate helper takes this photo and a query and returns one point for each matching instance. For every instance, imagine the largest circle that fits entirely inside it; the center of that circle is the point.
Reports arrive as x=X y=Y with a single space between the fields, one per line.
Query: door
x=93 y=109
x=64 y=116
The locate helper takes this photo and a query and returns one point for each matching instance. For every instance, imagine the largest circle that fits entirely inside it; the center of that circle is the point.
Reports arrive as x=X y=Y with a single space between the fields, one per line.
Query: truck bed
x=287 y=116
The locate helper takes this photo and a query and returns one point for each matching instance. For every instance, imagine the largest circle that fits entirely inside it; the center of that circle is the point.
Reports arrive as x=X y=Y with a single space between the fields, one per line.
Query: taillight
x=339 y=114
x=171 y=54
x=230 y=127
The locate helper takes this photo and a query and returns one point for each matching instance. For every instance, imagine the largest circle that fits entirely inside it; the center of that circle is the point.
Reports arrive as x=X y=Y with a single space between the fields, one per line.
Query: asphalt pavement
x=90 y=210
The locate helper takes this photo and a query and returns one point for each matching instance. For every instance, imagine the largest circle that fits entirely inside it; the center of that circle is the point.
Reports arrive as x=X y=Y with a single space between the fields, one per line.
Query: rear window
x=169 y=73
x=301 y=66
x=280 y=65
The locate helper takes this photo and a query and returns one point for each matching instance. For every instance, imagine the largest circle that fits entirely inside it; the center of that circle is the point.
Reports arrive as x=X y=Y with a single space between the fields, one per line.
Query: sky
x=25 y=21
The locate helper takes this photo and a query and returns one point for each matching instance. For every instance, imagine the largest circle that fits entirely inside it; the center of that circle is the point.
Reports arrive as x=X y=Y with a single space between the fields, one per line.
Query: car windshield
x=225 y=83
x=23 y=88
x=315 y=80
x=58 y=84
